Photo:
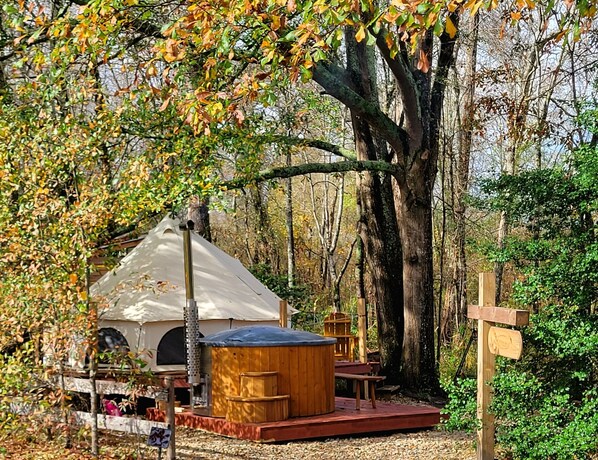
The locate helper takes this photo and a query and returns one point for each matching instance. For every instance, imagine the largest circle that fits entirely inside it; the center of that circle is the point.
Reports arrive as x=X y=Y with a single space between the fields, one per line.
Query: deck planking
x=345 y=420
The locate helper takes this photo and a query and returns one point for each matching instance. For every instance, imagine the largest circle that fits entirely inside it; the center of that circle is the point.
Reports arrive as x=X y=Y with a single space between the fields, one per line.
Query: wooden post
x=486 y=366
x=283 y=320
x=362 y=330
x=362 y=338
x=171 y=452
x=492 y=341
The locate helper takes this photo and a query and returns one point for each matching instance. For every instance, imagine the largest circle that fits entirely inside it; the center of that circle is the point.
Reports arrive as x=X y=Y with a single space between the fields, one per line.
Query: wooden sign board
x=509 y=316
x=505 y=342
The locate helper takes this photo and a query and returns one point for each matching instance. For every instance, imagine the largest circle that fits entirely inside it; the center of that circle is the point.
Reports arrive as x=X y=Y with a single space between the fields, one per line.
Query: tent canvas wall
x=142 y=299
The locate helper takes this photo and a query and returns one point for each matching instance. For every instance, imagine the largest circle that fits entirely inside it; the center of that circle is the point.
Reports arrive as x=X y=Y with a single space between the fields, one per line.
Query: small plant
x=461 y=406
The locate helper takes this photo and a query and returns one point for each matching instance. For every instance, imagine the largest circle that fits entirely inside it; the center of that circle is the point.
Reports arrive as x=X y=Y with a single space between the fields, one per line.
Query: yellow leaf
x=473 y=6
x=450 y=28
x=152 y=71
x=360 y=35
x=389 y=40
x=73 y=278
x=452 y=6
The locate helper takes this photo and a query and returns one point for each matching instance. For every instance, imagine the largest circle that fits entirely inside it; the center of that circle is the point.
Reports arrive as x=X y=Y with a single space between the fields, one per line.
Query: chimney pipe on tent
x=192 y=333
x=188 y=255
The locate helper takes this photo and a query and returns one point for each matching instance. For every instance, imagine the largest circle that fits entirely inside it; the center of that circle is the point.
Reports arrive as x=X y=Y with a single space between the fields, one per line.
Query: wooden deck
x=344 y=421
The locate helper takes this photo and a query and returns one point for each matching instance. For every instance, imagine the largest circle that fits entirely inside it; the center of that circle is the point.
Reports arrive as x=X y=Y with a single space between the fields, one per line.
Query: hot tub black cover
x=264 y=336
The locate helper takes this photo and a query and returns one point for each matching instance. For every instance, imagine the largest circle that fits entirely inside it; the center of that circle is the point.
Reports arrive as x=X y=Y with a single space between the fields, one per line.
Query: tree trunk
x=265 y=250
x=457 y=311
x=415 y=222
x=414 y=211
x=290 y=232
x=412 y=145
x=382 y=250
x=199 y=212
x=379 y=232
x=519 y=134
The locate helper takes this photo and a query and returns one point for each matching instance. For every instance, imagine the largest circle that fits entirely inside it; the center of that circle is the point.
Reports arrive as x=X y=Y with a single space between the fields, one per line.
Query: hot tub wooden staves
x=304 y=364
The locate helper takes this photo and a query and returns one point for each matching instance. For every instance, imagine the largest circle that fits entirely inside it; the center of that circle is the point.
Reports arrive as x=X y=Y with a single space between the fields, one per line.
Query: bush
x=546 y=405
x=461 y=406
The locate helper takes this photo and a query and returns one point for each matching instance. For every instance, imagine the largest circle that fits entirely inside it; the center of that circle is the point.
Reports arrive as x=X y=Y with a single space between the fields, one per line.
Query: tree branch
x=313 y=143
x=407 y=90
x=285 y=172
x=375 y=117
x=446 y=60
x=146 y=28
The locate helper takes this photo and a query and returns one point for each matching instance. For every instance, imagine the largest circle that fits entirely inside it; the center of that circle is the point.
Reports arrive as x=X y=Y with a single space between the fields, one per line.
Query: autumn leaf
x=423 y=63
x=360 y=35
x=164 y=105
x=450 y=28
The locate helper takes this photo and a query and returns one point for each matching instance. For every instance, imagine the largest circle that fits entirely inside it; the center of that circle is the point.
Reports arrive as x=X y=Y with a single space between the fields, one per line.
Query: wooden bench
x=359 y=380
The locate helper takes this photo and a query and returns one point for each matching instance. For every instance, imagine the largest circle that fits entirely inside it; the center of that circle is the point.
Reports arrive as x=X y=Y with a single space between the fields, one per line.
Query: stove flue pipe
x=191 y=317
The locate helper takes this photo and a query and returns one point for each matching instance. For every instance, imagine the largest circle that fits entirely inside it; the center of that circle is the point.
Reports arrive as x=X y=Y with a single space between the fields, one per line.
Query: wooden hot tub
x=299 y=367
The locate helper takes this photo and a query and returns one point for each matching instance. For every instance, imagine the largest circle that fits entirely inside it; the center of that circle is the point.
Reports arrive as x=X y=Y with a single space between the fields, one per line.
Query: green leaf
x=9 y=8
x=371 y=39
x=438 y=28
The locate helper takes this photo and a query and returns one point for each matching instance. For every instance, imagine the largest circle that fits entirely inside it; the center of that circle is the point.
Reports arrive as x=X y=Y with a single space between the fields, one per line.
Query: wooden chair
x=338 y=325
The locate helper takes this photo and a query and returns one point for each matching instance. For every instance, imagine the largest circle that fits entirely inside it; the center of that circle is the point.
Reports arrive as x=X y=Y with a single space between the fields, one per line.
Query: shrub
x=461 y=406
x=546 y=405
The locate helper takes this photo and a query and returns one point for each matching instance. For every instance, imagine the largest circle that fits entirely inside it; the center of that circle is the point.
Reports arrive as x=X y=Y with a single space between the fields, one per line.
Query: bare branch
x=313 y=143
x=309 y=168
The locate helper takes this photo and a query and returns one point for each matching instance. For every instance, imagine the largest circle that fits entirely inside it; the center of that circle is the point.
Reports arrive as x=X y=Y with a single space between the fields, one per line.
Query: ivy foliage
x=546 y=404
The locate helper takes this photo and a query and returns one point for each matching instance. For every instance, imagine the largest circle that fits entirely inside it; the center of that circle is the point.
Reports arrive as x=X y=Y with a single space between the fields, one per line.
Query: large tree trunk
x=415 y=222
x=379 y=232
x=382 y=245
x=411 y=144
x=414 y=211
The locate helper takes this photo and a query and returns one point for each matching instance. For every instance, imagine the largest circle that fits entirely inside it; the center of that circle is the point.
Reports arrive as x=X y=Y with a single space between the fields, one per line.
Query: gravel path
x=425 y=444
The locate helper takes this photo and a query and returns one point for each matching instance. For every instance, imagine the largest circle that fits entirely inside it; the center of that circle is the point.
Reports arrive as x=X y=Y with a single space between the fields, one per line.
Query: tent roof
x=149 y=283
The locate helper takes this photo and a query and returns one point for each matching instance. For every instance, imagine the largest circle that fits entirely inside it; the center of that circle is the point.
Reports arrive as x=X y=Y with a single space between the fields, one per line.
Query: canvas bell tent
x=142 y=299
